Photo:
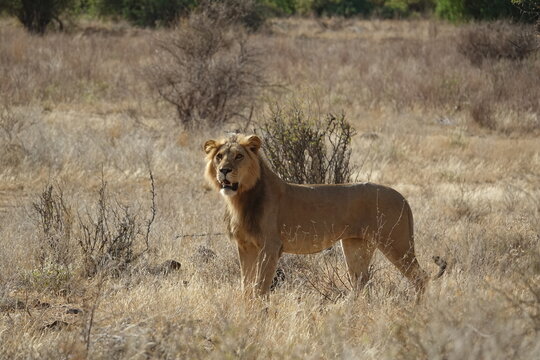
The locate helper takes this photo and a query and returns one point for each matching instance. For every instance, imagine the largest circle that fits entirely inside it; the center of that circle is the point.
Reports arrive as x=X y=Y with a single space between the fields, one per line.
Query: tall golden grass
x=75 y=109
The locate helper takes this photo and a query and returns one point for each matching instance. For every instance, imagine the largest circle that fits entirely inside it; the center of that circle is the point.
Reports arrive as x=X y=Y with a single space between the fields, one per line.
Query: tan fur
x=267 y=216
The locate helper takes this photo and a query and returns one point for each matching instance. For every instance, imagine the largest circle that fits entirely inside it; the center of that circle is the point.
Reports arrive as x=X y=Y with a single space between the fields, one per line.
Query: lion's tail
x=442 y=266
x=437 y=259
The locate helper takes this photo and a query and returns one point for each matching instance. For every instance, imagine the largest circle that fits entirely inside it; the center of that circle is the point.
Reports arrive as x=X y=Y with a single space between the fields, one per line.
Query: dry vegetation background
x=457 y=136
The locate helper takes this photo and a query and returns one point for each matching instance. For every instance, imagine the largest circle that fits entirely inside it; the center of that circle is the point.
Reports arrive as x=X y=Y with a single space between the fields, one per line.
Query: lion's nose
x=225 y=171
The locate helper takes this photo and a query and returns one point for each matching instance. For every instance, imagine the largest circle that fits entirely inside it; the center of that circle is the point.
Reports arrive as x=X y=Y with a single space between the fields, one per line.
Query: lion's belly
x=312 y=238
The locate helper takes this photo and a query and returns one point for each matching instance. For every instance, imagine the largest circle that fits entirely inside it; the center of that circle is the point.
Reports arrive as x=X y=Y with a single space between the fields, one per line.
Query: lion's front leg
x=247 y=254
x=257 y=266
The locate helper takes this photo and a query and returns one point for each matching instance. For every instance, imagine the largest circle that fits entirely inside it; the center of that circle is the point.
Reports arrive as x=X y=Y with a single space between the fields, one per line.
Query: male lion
x=267 y=216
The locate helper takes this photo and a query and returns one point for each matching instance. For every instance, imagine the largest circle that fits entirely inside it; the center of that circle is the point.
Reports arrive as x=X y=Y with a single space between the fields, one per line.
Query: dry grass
x=76 y=108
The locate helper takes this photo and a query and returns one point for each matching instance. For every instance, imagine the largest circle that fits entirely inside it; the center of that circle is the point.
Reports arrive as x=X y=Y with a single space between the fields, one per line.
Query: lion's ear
x=209 y=146
x=253 y=142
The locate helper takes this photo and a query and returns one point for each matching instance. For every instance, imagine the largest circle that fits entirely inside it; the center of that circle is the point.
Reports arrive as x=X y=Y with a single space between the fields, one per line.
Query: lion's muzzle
x=228 y=187
x=226 y=184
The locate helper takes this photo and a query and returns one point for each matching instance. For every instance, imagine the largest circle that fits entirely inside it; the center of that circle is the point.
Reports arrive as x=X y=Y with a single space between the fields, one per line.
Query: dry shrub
x=55 y=224
x=497 y=40
x=207 y=68
x=110 y=239
x=56 y=253
x=306 y=150
x=107 y=238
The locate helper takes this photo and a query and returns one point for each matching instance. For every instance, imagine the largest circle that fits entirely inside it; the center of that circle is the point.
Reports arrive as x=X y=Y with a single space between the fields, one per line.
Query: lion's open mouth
x=226 y=184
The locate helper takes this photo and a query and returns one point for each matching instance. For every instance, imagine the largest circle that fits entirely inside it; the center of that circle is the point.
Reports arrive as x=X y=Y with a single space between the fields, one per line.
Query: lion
x=267 y=217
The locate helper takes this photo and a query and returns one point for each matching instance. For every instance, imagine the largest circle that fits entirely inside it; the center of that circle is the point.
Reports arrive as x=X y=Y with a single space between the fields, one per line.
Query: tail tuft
x=442 y=265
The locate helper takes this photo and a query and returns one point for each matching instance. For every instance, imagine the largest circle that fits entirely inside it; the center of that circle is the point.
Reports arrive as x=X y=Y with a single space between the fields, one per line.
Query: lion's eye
x=239 y=157
x=219 y=157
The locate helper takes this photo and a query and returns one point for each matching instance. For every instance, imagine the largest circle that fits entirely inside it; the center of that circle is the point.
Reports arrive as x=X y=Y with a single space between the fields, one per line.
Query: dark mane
x=250 y=206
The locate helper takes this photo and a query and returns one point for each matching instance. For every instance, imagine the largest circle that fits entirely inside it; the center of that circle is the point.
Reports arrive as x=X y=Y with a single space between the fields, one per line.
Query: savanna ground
x=459 y=140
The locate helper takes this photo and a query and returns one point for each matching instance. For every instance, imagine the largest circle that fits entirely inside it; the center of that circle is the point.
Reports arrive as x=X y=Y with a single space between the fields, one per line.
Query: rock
x=279 y=279
x=170 y=265
x=41 y=305
x=165 y=268
x=73 y=311
x=445 y=120
x=55 y=325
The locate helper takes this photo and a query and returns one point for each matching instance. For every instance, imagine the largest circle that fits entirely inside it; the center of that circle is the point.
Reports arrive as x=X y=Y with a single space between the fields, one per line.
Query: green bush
x=453 y=10
x=463 y=10
x=151 y=13
x=401 y=8
x=379 y=8
x=279 y=7
x=146 y=13
x=105 y=7
x=37 y=15
x=529 y=7
x=341 y=7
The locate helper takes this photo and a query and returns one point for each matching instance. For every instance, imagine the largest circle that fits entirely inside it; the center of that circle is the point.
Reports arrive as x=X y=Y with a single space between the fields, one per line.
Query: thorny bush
x=305 y=150
x=55 y=228
x=110 y=238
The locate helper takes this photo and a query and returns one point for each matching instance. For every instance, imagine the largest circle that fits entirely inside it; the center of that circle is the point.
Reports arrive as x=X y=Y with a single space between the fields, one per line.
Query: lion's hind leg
x=358 y=253
x=406 y=262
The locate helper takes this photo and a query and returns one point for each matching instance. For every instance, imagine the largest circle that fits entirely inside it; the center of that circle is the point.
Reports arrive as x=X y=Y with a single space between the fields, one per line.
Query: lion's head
x=233 y=164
